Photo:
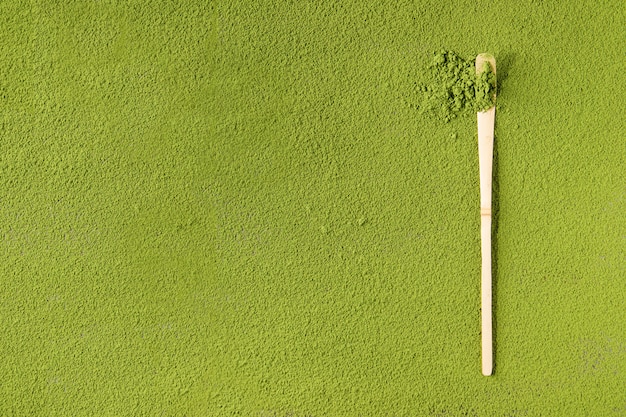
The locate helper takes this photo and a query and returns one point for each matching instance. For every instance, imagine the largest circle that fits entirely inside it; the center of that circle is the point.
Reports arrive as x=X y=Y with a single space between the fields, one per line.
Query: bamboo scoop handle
x=486 y=121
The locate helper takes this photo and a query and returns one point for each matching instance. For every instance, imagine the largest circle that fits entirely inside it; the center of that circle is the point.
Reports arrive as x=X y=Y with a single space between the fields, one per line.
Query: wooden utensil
x=486 y=121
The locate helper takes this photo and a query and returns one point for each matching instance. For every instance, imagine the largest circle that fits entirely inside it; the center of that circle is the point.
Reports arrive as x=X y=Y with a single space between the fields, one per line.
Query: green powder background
x=235 y=209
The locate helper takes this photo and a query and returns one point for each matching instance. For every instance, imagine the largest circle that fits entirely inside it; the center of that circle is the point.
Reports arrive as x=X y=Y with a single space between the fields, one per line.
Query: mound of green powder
x=451 y=87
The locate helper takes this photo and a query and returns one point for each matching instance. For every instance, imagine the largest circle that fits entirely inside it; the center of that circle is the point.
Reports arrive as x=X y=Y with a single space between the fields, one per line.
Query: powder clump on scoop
x=451 y=87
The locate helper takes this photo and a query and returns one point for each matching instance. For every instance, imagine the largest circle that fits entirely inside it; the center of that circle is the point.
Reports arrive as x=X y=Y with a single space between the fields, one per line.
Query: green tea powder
x=452 y=87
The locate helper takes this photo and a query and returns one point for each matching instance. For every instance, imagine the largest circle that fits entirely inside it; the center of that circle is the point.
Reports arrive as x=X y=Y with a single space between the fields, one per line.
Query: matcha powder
x=451 y=87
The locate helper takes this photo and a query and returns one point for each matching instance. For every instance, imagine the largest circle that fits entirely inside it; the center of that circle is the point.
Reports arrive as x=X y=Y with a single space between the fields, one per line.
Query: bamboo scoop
x=486 y=121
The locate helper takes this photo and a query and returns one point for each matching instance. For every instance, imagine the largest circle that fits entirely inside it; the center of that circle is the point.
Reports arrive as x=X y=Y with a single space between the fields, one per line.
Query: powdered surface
x=236 y=209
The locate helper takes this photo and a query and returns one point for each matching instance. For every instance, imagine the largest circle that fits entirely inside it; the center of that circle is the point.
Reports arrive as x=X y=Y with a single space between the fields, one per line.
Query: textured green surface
x=235 y=209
